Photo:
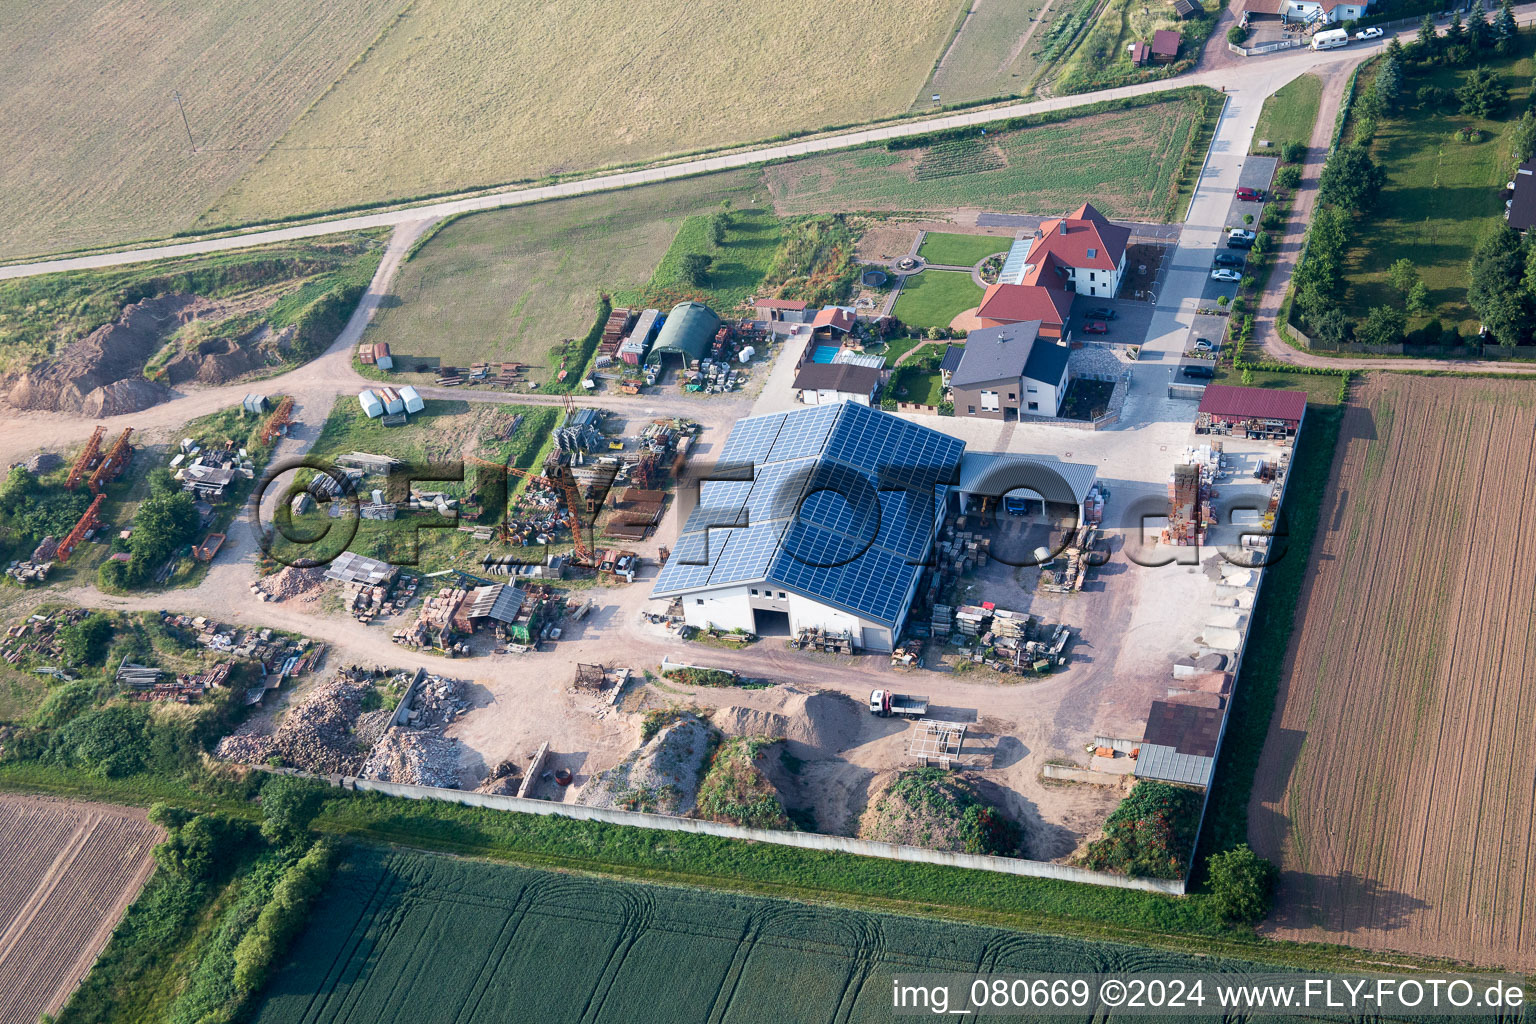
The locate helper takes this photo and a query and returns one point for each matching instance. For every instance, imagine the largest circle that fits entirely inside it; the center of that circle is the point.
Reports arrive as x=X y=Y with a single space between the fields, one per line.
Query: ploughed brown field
x=1396 y=786
x=67 y=872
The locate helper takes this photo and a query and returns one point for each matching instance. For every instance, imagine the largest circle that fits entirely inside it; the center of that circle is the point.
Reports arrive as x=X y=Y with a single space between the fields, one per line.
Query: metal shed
x=689 y=329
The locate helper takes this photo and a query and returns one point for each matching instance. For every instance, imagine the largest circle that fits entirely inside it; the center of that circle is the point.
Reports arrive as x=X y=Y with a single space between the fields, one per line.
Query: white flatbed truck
x=885 y=704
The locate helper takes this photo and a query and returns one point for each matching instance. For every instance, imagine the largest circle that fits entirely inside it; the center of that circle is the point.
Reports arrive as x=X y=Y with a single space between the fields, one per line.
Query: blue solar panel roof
x=841 y=508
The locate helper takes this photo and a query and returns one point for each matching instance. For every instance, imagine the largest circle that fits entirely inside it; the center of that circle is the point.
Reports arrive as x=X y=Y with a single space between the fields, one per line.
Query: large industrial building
x=824 y=518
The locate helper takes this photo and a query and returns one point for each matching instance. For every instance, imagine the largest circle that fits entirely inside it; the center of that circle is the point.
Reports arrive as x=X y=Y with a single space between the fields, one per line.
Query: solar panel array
x=841 y=505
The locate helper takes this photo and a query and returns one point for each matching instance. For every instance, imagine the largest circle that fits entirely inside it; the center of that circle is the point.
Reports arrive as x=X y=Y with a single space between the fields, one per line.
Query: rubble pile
x=414 y=757
x=435 y=703
x=290 y=581
x=319 y=736
x=502 y=781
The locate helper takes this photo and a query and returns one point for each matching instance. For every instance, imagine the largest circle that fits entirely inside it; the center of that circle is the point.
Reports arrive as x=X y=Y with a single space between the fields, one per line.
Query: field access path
x=1262 y=73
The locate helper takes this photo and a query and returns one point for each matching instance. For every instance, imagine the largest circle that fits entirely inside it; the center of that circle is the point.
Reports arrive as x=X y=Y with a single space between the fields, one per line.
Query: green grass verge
x=737 y=265
x=935 y=297
x=1289 y=115
x=960 y=250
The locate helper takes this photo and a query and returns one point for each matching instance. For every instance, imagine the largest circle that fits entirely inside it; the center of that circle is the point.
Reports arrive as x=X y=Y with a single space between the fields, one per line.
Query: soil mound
x=815 y=723
x=662 y=777
x=937 y=810
x=737 y=790
x=102 y=373
x=220 y=360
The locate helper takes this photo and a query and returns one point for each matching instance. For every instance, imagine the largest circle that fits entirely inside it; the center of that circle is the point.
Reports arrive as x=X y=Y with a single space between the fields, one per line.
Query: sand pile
x=662 y=777
x=936 y=810
x=102 y=373
x=814 y=724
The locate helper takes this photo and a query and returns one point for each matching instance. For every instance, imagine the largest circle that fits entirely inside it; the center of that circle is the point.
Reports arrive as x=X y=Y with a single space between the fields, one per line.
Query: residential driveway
x=1128 y=327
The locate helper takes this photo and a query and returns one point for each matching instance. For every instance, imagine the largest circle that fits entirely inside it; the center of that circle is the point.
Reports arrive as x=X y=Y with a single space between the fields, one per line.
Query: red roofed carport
x=1262 y=412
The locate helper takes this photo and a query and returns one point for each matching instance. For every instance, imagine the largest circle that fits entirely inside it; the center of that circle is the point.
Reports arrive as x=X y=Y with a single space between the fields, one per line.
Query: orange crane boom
x=278 y=420
x=83 y=460
x=116 y=458
x=75 y=536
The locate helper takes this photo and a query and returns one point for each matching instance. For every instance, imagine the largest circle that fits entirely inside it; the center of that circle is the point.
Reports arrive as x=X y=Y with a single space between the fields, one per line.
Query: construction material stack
x=1189 y=511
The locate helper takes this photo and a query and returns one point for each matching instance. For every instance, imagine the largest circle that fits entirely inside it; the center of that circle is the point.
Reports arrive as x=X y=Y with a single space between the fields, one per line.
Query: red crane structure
x=112 y=464
x=87 y=522
x=85 y=458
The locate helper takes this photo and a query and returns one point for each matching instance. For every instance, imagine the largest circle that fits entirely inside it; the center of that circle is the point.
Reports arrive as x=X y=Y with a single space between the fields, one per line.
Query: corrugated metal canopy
x=689 y=329
x=996 y=473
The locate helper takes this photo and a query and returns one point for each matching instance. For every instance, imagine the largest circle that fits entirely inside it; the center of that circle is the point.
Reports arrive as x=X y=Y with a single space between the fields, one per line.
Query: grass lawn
x=961 y=250
x=915 y=384
x=512 y=284
x=935 y=297
x=1289 y=115
x=1442 y=195
x=451 y=97
x=1133 y=162
x=1321 y=389
x=736 y=268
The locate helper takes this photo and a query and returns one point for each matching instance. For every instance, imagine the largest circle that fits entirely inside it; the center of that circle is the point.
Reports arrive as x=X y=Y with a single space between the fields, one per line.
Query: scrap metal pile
x=1008 y=641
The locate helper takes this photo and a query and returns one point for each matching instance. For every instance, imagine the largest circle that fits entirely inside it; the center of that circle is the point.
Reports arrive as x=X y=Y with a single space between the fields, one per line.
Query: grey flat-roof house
x=1008 y=372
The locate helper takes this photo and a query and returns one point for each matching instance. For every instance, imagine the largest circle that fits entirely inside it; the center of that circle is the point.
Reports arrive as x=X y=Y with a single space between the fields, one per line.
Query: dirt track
x=71 y=869
x=1395 y=786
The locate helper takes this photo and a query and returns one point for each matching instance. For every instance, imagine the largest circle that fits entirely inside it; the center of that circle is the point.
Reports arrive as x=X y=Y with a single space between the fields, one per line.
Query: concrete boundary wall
x=804 y=840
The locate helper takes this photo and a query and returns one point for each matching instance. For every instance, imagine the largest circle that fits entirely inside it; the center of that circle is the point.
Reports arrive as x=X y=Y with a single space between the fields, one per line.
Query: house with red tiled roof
x=1004 y=304
x=835 y=318
x=1081 y=252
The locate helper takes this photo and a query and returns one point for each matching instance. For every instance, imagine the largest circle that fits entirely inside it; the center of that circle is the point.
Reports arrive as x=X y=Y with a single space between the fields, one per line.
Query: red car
x=1095 y=327
x=1251 y=195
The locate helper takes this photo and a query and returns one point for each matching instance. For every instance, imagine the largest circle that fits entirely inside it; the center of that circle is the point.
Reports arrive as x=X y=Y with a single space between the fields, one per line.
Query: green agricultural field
x=512 y=284
x=405 y=937
x=1442 y=194
x=97 y=153
x=1131 y=161
x=453 y=97
x=935 y=297
x=961 y=250
x=994 y=53
x=1289 y=115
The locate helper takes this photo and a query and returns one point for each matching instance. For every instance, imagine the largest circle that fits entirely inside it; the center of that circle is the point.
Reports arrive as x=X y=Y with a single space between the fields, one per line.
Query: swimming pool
x=825 y=353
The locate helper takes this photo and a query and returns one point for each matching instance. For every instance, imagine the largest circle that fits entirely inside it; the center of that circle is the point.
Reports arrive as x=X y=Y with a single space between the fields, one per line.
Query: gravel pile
x=662 y=777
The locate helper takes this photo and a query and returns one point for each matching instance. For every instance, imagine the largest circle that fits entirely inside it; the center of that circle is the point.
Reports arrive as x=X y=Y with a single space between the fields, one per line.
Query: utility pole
x=184 y=123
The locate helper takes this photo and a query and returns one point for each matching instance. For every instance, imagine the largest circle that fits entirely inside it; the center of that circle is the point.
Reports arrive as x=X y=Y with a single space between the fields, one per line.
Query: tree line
x=1503 y=289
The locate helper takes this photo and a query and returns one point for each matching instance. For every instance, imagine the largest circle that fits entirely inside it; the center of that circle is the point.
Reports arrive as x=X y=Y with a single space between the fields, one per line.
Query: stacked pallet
x=942 y=622
x=969 y=619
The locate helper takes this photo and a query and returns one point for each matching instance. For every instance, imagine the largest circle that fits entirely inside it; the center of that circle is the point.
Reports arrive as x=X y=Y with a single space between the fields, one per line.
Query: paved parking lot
x=1257 y=173
x=1129 y=327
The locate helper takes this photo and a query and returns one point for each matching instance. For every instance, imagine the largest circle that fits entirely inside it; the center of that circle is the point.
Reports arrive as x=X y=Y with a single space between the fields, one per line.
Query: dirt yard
x=71 y=869
x=1395 y=786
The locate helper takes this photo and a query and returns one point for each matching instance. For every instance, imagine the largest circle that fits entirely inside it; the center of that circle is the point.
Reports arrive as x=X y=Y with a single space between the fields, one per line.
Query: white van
x=1332 y=38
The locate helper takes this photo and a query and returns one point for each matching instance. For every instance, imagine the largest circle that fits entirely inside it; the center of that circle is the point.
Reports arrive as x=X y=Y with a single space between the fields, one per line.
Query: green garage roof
x=689 y=329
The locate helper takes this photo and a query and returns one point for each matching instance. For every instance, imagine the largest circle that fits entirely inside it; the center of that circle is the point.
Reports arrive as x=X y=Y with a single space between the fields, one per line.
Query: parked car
x=1095 y=327
x=1223 y=274
x=1240 y=234
x=1251 y=195
x=1369 y=33
x=1229 y=259
x=1204 y=345
x=1102 y=313
x=1237 y=241
x=1198 y=372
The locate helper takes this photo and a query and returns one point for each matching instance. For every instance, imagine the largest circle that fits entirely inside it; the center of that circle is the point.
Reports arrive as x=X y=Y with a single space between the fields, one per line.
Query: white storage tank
x=412 y=399
x=372 y=407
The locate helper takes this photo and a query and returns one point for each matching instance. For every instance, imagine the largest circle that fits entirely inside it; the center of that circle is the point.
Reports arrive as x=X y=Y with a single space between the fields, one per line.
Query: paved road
x=1263 y=73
